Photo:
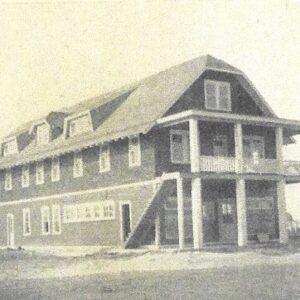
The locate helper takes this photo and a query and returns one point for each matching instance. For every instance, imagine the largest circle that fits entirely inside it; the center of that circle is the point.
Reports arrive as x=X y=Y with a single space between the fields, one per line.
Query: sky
x=57 y=54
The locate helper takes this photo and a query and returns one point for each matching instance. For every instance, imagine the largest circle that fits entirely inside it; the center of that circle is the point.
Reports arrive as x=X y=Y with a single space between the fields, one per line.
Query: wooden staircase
x=148 y=217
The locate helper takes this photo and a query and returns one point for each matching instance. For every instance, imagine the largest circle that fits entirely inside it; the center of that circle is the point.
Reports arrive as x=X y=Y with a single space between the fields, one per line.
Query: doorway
x=10 y=231
x=125 y=212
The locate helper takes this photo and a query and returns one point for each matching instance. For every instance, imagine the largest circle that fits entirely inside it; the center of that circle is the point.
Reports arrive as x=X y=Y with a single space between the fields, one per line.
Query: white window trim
x=75 y=173
x=9 y=140
x=107 y=169
x=25 y=168
x=36 y=133
x=26 y=211
x=186 y=140
x=72 y=117
x=137 y=163
x=217 y=83
x=47 y=210
x=8 y=180
x=53 y=178
x=251 y=138
x=56 y=208
x=37 y=165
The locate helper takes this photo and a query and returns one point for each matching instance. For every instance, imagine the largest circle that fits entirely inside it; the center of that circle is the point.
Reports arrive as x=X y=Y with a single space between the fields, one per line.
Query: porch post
x=241 y=212
x=279 y=148
x=196 y=184
x=158 y=230
x=180 y=212
x=283 y=232
x=238 y=141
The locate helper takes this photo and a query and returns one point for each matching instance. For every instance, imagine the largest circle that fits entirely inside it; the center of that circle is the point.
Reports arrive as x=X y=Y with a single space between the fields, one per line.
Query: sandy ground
x=32 y=265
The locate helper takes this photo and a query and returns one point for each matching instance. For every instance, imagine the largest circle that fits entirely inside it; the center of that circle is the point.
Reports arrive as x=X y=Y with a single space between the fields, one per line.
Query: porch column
x=238 y=141
x=158 y=230
x=180 y=212
x=283 y=231
x=196 y=184
x=241 y=212
x=279 y=148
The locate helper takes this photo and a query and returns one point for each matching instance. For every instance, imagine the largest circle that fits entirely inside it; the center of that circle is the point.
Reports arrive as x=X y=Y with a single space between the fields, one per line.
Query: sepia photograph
x=150 y=150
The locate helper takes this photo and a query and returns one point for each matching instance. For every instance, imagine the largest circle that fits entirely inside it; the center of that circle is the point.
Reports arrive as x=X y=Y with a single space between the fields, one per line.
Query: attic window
x=42 y=134
x=217 y=95
x=79 y=125
x=9 y=147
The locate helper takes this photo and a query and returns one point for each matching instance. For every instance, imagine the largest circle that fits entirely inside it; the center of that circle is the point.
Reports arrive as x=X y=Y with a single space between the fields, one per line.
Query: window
x=134 y=151
x=9 y=147
x=104 y=158
x=180 y=146
x=45 y=216
x=77 y=165
x=42 y=134
x=91 y=211
x=56 y=219
x=55 y=169
x=8 y=180
x=254 y=147
x=79 y=125
x=220 y=145
x=108 y=210
x=39 y=172
x=227 y=213
x=25 y=176
x=26 y=222
x=217 y=95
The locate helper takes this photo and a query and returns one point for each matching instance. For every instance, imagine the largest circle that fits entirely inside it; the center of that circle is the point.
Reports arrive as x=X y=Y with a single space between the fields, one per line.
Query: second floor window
x=55 y=169
x=104 y=158
x=8 y=180
x=134 y=151
x=77 y=165
x=39 y=172
x=217 y=95
x=26 y=222
x=42 y=134
x=25 y=176
x=180 y=146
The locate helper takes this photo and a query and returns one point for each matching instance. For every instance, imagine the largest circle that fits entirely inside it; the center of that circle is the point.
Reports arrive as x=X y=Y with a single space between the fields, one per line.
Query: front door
x=10 y=231
x=125 y=221
x=227 y=221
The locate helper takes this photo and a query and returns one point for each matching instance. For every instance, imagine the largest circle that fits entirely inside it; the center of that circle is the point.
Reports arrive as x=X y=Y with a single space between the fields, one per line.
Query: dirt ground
x=249 y=274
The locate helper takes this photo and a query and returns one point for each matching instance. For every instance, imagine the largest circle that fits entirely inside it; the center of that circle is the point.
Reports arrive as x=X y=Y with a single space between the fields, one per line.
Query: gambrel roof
x=132 y=109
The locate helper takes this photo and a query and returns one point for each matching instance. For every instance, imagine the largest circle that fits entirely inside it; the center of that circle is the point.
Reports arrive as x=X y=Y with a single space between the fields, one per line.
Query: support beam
x=279 y=148
x=194 y=145
x=283 y=231
x=197 y=213
x=180 y=212
x=238 y=140
x=241 y=212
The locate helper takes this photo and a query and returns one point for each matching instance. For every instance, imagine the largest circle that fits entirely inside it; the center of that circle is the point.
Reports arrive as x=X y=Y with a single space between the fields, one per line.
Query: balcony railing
x=292 y=168
x=263 y=166
x=217 y=164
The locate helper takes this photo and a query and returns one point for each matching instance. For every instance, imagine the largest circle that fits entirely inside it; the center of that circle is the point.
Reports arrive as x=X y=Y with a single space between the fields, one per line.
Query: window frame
x=185 y=142
x=250 y=139
x=57 y=160
x=56 y=213
x=25 y=174
x=68 y=120
x=26 y=214
x=77 y=156
x=101 y=154
x=45 y=209
x=8 y=180
x=131 y=148
x=39 y=165
x=14 y=148
x=42 y=137
x=217 y=84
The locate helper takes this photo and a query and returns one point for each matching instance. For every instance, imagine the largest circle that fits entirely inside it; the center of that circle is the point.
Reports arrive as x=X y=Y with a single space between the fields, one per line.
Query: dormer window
x=42 y=134
x=217 y=95
x=79 y=125
x=9 y=147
